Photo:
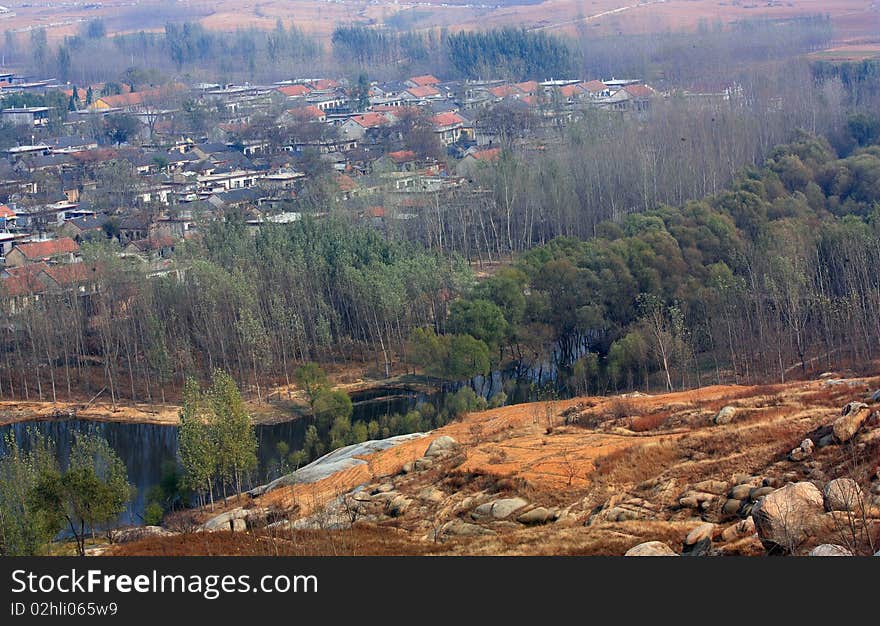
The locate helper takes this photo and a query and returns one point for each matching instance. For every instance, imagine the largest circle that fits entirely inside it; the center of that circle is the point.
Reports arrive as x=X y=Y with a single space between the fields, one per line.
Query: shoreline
x=282 y=408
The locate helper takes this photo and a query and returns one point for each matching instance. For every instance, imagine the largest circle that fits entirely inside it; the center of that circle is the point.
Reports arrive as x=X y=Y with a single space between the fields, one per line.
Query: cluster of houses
x=182 y=177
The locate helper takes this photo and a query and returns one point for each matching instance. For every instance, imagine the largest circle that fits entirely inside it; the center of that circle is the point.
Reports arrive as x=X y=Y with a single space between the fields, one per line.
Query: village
x=148 y=166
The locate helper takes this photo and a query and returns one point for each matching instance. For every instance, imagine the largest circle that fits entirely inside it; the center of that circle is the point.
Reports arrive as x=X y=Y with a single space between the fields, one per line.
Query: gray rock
x=127 y=535
x=538 y=515
x=740 y=492
x=875 y=397
x=420 y=465
x=725 y=415
x=333 y=462
x=732 y=507
x=441 y=445
x=789 y=516
x=803 y=451
x=698 y=534
x=843 y=494
x=651 y=548
x=460 y=528
x=222 y=521
x=397 y=506
x=431 y=494
x=852 y=416
x=760 y=492
x=830 y=549
x=384 y=488
x=715 y=487
x=506 y=506
x=826 y=441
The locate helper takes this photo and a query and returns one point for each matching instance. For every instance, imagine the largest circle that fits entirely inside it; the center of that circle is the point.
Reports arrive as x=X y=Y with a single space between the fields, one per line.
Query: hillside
x=586 y=476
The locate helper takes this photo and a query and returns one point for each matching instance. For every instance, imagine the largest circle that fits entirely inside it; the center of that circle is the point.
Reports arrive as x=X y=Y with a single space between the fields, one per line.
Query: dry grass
x=357 y=541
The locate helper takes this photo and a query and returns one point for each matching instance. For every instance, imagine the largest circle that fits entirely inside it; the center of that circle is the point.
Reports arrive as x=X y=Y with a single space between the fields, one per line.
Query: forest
x=768 y=278
x=187 y=49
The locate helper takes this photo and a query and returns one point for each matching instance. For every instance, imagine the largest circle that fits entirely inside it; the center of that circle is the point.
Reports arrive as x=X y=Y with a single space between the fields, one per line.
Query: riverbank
x=282 y=404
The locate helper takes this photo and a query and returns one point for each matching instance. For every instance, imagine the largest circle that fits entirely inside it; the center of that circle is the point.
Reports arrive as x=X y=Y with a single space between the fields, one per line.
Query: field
x=856 y=21
x=612 y=472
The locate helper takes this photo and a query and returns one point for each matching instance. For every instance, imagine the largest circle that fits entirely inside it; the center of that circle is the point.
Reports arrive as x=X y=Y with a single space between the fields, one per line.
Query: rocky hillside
x=725 y=470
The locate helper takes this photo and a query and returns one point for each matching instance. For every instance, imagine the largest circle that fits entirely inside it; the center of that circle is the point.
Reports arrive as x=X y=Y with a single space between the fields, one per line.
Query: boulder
x=651 y=548
x=460 y=528
x=701 y=548
x=715 y=487
x=420 y=465
x=126 y=535
x=397 y=506
x=700 y=533
x=227 y=521
x=732 y=507
x=741 y=529
x=875 y=397
x=504 y=507
x=826 y=440
x=431 y=494
x=788 y=516
x=802 y=452
x=760 y=492
x=441 y=445
x=830 y=549
x=538 y=515
x=843 y=494
x=384 y=488
x=740 y=492
x=725 y=415
x=498 y=509
x=851 y=419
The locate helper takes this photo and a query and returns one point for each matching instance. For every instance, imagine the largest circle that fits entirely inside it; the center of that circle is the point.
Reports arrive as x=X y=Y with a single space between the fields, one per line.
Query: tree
x=312 y=380
x=25 y=528
x=480 y=319
x=196 y=446
x=231 y=429
x=90 y=493
x=331 y=405
x=120 y=128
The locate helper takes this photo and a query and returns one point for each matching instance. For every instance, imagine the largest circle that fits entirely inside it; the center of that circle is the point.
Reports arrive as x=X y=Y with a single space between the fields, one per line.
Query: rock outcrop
x=850 y=421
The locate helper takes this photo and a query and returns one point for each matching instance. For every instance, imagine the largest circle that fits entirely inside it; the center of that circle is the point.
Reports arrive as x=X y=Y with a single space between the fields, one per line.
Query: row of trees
x=217 y=443
x=773 y=278
x=604 y=166
x=39 y=498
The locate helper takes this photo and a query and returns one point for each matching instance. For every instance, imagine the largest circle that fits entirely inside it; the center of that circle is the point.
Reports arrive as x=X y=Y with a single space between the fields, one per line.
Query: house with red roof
x=595 y=89
x=309 y=113
x=418 y=94
x=528 y=88
x=426 y=80
x=7 y=217
x=294 y=91
x=503 y=91
x=358 y=126
x=450 y=127
x=397 y=161
x=475 y=159
x=62 y=250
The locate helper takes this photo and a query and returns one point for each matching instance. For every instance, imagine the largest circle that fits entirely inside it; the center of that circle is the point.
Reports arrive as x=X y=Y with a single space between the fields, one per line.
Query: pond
x=146 y=447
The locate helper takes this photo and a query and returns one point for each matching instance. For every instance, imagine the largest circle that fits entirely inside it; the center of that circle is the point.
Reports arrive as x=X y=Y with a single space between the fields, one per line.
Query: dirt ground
x=853 y=19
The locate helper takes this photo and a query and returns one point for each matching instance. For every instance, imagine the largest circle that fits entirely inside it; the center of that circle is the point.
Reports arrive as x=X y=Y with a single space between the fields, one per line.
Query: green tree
x=25 y=528
x=231 y=429
x=196 y=446
x=312 y=380
x=90 y=493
